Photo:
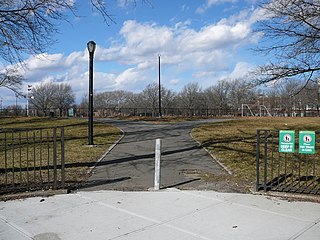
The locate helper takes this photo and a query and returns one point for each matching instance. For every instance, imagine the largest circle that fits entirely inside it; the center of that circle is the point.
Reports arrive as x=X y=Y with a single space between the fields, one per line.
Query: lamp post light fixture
x=91 y=45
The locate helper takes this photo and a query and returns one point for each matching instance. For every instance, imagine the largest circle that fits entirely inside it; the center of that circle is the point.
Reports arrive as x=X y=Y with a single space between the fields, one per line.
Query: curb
x=43 y=193
x=290 y=197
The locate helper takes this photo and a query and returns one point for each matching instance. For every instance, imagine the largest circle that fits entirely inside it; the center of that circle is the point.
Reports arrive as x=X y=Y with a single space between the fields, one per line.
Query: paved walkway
x=165 y=215
x=130 y=165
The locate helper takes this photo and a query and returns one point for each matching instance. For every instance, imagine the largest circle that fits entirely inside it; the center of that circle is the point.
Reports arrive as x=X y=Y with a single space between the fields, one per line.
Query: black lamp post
x=160 y=113
x=91 y=45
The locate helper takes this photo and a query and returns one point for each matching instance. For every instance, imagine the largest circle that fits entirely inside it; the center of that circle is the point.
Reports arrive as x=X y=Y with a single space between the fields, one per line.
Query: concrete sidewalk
x=168 y=214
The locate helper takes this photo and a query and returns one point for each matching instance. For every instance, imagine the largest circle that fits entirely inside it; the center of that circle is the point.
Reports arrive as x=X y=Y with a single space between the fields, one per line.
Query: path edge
x=106 y=153
x=212 y=156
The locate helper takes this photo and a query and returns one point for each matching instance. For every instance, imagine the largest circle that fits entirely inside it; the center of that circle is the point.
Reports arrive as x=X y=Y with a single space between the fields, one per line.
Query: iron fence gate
x=31 y=159
x=286 y=172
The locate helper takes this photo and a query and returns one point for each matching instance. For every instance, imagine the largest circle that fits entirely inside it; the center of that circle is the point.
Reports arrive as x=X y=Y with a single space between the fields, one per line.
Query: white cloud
x=44 y=61
x=241 y=70
x=210 y=3
x=76 y=57
x=174 y=81
x=202 y=54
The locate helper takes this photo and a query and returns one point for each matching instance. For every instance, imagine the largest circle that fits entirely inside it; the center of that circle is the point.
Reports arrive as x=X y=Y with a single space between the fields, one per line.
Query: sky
x=201 y=41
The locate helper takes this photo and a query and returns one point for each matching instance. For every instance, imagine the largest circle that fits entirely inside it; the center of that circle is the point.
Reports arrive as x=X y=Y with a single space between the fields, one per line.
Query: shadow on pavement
x=96 y=183
x=181 y=183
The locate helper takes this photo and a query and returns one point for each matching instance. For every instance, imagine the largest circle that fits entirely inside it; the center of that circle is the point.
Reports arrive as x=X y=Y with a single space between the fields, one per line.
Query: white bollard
x=157 y=165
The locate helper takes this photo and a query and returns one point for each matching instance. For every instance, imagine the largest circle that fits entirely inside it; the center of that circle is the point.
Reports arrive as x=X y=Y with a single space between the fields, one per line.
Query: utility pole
x=160 y=114
x=318 y=97
x=1 y=99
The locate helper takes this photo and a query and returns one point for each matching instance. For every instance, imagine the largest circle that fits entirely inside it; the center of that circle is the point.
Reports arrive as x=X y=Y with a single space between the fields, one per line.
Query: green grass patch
x=234 y=142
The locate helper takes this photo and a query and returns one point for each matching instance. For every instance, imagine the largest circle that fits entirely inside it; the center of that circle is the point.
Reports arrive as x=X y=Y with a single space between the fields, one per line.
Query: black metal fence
x=31 y=159
x=286 y=172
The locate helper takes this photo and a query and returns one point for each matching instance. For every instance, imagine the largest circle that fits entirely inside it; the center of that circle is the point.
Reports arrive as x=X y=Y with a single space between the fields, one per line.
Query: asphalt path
x=129 y=166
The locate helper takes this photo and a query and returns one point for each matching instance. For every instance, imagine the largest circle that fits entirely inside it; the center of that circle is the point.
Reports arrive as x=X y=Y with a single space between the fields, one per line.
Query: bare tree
x=222 y=90
x=190 y=96
x=309 y=97
x=133 y=100
x=292 y=34
x=102 y=100
x=168 y=98
x=211 y=97
x=289 y=100
x=42 y=97
x=284 y=98
x=63 y=97
x=13 y=110
x=11 y=79
x=51 y=96
x=113 y=99
x=28 y=26
x=84 y=102
x=239 y=93
x=150 y=96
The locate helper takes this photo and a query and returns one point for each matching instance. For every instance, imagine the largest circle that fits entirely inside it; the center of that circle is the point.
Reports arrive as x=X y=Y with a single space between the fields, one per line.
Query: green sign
x=307 y=142
x=286 y=141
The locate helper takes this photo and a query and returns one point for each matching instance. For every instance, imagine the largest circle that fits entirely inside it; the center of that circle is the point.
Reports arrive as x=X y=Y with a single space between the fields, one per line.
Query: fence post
x=157 y=165
x=62 y=158
x=54 y=158
x=258 y=161
x=5 y=160
x=265 y=159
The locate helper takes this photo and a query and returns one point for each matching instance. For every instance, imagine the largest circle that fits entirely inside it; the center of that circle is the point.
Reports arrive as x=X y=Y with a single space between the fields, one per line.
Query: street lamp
x=16 y=110
x=91 y=45
x=160 y=114
x=28 y=90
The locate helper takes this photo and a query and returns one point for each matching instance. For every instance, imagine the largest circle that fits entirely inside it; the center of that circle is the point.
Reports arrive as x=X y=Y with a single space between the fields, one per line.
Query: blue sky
x=200 y=41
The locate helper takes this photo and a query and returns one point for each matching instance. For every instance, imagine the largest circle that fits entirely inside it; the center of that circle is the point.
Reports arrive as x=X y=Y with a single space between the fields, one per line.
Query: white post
x=241 y=110
x=27 y=105
x=157 y=165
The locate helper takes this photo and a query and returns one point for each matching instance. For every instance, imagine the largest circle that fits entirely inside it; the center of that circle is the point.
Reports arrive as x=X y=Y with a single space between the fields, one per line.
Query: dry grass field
x=78 y=155
x=234 y=143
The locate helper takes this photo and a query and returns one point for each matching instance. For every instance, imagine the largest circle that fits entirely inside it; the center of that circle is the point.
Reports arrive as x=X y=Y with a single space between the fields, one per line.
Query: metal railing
x=31 y=159
x=286 y=172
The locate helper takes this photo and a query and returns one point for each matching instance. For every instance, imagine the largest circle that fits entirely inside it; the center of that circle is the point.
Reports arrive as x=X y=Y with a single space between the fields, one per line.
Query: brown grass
x=234 y=142
x=78 y=156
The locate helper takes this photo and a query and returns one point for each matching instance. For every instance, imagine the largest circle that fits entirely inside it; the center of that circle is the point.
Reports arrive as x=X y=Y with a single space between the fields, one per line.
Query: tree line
x=224 y=95
x=47 y=96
